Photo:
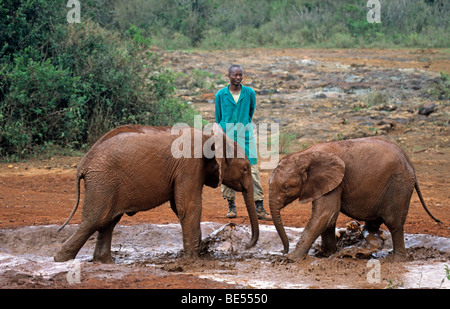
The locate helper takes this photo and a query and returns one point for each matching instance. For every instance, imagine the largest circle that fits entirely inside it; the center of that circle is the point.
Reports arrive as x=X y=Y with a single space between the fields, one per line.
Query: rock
x=354 y=79
x=306 y=62
x=316 y=84
x=385 y=127
x=426 y=109
x=357 y=65
x=268 y=91
x=386 y=107
x=290 y=77
x=319 y=95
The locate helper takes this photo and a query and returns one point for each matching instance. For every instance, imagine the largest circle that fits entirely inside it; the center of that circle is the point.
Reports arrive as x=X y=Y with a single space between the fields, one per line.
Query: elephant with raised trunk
x=133 y=168
x=368 y=179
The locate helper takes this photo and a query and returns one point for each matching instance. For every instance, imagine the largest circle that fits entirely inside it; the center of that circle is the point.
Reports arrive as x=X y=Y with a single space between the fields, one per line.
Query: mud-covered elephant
x=368 y=179
x=137 y=168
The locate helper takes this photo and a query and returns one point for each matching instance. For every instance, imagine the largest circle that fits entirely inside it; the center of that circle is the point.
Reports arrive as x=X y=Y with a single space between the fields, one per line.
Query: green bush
x=66 y=84
x=74 y=82
x=286 y=23
x=342 y=40
x=35 y=107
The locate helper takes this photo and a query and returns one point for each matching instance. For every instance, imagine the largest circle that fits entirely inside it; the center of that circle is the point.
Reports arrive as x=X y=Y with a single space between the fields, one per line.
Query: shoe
x=232 y=213
x=261 y=213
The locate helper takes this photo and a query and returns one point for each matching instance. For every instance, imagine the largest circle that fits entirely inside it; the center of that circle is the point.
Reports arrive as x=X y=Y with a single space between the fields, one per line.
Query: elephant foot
x=190 y=256
x=103 y=255
x=106 y=259
x=62 y=256
x=399 y=257
x=294 y=257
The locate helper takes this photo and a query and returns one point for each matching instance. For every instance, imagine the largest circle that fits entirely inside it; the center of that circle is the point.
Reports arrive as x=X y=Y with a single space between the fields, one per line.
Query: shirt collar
x=228 y=89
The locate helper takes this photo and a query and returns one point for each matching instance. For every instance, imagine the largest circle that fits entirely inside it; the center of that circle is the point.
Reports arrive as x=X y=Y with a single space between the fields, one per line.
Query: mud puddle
x=27 y=253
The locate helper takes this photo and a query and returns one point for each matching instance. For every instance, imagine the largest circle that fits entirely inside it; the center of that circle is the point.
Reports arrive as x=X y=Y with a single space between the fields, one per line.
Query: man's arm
x=217 y=109
x=252 y=104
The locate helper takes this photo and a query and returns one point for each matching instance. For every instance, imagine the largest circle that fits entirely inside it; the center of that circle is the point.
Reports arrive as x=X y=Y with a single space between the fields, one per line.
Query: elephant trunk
x=275 y=207
x=250 y=204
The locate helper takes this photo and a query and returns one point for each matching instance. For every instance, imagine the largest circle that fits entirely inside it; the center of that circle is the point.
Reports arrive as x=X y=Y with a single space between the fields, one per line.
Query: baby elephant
x=137 y=168
x=368 y=179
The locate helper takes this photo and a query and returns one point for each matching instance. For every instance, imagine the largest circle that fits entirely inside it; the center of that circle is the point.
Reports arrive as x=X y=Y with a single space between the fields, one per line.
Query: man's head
x=235 y=74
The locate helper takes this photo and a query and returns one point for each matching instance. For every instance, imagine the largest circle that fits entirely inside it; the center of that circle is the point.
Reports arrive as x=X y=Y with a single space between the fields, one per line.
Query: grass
x=285 y=142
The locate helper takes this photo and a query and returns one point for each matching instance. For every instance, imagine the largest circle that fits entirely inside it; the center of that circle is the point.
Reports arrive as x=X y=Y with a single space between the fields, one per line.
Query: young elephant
x=134 y=168
x=368 y=179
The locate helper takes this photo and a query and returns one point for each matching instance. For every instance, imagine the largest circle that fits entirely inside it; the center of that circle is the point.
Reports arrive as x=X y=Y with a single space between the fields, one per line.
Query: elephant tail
x=419 y=193
x=77 y=183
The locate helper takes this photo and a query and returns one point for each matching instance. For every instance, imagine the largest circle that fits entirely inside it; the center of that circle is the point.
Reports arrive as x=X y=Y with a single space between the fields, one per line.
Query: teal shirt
x=236 y=118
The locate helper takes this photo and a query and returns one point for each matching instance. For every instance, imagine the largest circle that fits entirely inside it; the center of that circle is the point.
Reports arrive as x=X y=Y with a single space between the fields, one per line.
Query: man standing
x=234 y=109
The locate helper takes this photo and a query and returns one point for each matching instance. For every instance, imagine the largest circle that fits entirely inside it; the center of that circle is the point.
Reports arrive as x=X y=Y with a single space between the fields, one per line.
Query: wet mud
x=155 y=251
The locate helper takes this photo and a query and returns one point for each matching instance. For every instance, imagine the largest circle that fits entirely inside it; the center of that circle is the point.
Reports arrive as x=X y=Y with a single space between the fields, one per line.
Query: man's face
x=236 y=76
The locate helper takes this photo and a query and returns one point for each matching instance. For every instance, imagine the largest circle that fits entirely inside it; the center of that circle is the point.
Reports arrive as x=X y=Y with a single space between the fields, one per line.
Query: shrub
x=76 y=82
x=39 y=106
x=250 y=23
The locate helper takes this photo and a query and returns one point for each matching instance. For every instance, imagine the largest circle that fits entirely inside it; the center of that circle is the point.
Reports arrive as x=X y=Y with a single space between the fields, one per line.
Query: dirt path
x=316 y=95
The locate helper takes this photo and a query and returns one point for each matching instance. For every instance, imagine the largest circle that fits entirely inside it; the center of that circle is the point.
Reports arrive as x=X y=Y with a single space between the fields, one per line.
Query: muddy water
x=28 y=252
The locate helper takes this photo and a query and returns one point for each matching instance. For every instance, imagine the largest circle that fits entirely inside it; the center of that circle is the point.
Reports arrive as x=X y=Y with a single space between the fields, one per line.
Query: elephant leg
x=94 y=216
x=70 y=248
x=102 y=251
x=398 y=241
x=325 y=211
x=189 y=209
x=173 y=206
x=329 y=240
x=395 y=217
x=373 y=226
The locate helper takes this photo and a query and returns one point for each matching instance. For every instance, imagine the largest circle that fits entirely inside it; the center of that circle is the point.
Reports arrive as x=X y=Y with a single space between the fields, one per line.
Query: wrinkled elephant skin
x=132 y=168
x=368 y=179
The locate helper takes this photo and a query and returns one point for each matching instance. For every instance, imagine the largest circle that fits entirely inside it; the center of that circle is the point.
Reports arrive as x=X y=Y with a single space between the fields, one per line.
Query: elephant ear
x=323 y=173
x=216 y=158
